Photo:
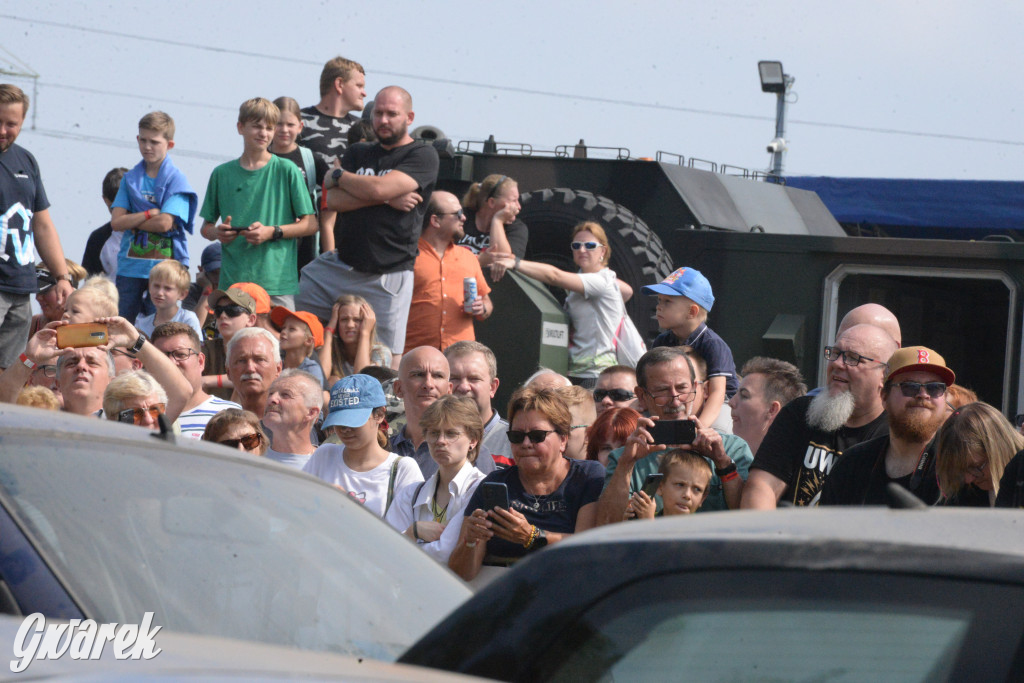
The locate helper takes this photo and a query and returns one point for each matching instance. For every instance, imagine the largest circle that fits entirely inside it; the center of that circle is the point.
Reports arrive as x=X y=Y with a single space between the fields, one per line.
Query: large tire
x=638 y=256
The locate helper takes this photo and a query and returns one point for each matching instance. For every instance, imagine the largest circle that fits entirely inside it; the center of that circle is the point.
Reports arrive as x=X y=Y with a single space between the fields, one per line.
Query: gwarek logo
x=82 y=639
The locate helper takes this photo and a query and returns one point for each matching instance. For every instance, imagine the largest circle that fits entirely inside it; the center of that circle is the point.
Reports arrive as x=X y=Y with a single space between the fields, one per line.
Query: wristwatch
x=137 y=346
x=541 y=540
x=278 y=233
x=728 y=469
x=336 y=174
x=65 y=276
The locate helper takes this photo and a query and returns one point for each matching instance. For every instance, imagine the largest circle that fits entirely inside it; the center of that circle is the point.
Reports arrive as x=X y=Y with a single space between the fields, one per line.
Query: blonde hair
x=259 y=110
x=102 y=305
x=460 y=412
x=12 y=94
x=339 y=67
x=478 y=193
x=160 y=122
x=105 y=286
x=38 y=397
x=597 y=231
x=131 y=384
x=547 y=402
x=338 y=358
x=171 y=272
x=974 y=429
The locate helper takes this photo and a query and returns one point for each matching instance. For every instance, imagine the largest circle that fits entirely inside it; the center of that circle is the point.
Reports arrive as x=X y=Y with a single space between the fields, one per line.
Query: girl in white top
x=595 y=302
x=431 y=513
x=361 y=466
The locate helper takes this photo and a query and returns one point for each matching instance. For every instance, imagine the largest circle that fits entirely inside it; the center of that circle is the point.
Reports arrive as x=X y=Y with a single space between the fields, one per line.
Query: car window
x=214 y=546
x=770 y=625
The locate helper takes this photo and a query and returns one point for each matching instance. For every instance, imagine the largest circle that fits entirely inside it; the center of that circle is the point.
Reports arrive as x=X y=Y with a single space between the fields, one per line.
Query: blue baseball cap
x=686 y=282
x=210 y=260
x=353 y=399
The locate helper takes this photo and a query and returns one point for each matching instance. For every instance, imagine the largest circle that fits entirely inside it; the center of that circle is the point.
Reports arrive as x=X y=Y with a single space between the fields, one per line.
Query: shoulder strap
x=418 y=489
x=310 y=167
x=391 y=484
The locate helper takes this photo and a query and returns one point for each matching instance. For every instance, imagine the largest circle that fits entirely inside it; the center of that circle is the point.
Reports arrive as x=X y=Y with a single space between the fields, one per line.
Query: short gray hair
x=310 y=388
x=62 y=360
x=247 y=332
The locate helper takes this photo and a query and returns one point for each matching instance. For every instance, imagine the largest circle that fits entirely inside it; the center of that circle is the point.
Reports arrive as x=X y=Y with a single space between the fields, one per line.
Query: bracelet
x=470 y=544
x=532 y=538
x=208 y=291
x=329 y=330
x=729 y=477
x=27 y=362
x=220 y=381
x=145 y=214
x=728 y=469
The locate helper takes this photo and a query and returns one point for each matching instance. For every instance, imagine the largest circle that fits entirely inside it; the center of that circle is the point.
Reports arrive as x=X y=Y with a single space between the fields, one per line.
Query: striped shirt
x=193 y=422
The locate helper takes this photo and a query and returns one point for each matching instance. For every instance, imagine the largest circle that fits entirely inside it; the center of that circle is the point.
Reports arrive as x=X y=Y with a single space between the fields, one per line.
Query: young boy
x=154 y=208
x=168 y=285
x=301 y=335
x=265 y=208
x=87 y=304
x=684 y=299
x=684 y=488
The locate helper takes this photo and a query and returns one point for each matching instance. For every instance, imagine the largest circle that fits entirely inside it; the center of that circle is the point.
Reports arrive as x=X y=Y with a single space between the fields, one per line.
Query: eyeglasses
x=850 y=358
x=448 y=434
x=48 y=370
x=123 y=352
x=460 y=213
x=181 y=355
x=978 y=471
x=232 y=310
x=534 y=435
x=249 y=441
x=617 y=395
x=589 y=246
x=666 y=396
x=912 y=389
x=135 y=416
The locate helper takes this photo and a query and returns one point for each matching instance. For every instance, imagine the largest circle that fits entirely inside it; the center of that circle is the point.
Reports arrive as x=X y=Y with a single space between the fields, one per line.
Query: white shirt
x=369 y=488
x=404 y=510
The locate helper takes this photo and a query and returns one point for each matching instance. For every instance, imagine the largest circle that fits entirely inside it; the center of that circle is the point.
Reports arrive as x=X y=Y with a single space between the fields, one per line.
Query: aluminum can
x=468 y=293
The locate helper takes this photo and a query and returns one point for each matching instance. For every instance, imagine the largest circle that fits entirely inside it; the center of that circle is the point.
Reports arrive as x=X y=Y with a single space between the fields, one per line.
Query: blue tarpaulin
x=965 y=209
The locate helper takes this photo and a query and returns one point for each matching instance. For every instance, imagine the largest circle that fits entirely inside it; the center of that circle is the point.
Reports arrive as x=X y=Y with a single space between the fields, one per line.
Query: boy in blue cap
x=684 y=299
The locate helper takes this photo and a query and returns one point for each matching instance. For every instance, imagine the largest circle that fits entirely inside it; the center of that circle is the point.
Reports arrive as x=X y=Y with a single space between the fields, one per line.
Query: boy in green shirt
x=265 y=207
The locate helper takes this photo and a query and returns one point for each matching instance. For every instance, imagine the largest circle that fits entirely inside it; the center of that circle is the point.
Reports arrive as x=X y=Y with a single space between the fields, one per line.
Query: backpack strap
x=310 y=167
x=391 y=484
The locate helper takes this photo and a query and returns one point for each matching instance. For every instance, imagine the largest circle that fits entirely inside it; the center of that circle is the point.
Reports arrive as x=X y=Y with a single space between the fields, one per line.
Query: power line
x=507 y=88
x=126 y=144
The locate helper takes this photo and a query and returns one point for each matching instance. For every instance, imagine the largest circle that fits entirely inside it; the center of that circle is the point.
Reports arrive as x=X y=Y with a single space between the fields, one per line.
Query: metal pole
x=780 y=123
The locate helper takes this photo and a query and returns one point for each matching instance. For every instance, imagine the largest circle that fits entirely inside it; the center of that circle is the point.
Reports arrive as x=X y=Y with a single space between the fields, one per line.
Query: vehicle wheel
x=638 y=256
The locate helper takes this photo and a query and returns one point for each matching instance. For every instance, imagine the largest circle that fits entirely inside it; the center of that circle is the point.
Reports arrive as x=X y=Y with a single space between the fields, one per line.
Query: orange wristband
x=220 y=381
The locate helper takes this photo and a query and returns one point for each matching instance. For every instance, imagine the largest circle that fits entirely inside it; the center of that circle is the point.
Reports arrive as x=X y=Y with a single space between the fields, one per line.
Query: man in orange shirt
x=438 y=315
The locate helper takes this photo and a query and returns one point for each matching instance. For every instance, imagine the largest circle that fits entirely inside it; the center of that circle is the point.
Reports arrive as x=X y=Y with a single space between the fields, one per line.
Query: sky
x=904 y=89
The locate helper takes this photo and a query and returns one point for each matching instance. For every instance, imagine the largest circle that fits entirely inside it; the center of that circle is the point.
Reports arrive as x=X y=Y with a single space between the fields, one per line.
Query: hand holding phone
x=493 y=494
x=651 y=483
x=673 y=432
x=81 y=335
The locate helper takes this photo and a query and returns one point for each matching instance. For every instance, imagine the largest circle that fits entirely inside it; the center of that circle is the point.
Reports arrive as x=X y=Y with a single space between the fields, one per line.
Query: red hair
x=611 y=426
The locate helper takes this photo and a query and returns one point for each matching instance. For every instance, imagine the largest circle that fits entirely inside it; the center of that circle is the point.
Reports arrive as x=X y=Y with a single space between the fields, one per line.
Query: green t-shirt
x=735 y=447
x=273 y=195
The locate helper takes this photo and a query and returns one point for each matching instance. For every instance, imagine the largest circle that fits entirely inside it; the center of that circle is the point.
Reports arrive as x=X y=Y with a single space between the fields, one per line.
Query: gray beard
x=829 y=413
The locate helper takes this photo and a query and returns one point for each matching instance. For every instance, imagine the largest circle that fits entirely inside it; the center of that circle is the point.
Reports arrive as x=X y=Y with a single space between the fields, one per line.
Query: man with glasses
x=915 y=400
x=668 y=388
x=233 y=310
x=439 y=315
x=614 y=389
x=180 y=343
x=811 y=433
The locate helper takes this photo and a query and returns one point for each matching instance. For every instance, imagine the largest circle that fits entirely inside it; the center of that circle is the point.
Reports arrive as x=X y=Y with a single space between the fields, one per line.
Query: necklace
x=440 y=514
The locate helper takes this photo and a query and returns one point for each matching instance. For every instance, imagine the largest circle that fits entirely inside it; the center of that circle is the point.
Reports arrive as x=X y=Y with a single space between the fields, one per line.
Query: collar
x=701 y=329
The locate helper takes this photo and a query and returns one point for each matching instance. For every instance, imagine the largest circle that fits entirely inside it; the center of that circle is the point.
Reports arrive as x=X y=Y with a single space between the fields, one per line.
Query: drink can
x=468 y=293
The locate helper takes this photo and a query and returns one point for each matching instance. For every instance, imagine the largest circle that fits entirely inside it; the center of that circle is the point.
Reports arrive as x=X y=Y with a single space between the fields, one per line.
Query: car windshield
x=216 y=546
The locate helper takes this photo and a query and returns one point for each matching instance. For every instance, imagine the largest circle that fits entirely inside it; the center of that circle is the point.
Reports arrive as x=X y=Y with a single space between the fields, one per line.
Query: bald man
x=381 y=191
x=872 y=314
x=423 y=377
x=810 y=434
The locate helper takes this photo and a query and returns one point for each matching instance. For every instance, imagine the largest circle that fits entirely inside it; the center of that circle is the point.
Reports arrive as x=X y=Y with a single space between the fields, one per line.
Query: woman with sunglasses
x=134 y=397
x=492 y=227
x=237 y=429
x=973 y=448
x=550 y=496
x=594 y=302
x=431 y=512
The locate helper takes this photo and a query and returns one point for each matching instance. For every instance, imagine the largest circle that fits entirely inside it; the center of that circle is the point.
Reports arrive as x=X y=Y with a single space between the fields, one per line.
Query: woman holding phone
x=549 y=495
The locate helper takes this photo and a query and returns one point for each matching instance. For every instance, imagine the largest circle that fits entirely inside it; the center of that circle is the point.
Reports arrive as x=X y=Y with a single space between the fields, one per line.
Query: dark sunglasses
x=135 y=416
x=912 y=389
x=460 y=213
x=535 y=435
x=249 y=441
x=589 y=246
x=617 y=395
x=232 y=310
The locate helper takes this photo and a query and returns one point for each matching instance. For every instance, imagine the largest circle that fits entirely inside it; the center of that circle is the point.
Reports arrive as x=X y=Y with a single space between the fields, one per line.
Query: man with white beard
x=811 y=433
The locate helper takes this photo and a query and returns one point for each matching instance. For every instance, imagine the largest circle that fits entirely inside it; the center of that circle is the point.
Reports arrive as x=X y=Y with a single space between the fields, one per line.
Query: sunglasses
x=850 y=358
x=135 y=416
x=534 y=435
x=589 y=246
x=912 y=389
x=460 y=213
x=249 y=441
x=232 y=310
x=616 y=395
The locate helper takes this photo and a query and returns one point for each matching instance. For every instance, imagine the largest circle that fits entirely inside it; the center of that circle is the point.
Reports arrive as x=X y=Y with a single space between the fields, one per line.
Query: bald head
x=868 y=340
x=393 y=91
x=872 y=314
x=422 y=379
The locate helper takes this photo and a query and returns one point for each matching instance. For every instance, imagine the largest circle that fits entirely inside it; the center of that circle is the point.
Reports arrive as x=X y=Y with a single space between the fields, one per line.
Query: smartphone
x=674 y=432
x=82 y=334
x=651 y=483
x=493 y=494
x=239 y=228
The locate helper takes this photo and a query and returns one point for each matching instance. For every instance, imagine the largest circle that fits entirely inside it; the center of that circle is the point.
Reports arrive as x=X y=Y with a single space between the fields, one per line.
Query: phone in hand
x=238 y=228
x=81 y=335
x=674 y=432
x=651 y=483
x=493 y=494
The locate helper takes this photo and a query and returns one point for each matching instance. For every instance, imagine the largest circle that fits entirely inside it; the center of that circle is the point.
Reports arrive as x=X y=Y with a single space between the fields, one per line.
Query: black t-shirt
x=380 y=239
x=1011 y=485
x=555 y=512
x=516 y=232
x=859 y=477
x=21 y=196
x=326 y=135
x=803 y=456
x=94 y=247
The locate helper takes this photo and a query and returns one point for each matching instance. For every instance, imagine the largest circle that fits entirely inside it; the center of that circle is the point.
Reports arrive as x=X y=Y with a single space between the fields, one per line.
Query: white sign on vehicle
x=82 y=639
x=554 y=334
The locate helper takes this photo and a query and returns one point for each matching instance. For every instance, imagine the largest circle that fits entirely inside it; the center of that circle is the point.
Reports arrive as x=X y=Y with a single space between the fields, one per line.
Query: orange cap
x=280 y=314
x=258 y=294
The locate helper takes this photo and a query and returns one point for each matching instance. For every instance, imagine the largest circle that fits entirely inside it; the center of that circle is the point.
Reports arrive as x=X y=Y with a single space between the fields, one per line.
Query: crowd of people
x=330 y=328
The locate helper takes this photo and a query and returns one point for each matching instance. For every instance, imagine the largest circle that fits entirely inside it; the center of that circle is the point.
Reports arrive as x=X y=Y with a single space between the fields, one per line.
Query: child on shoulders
x=168 y=285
